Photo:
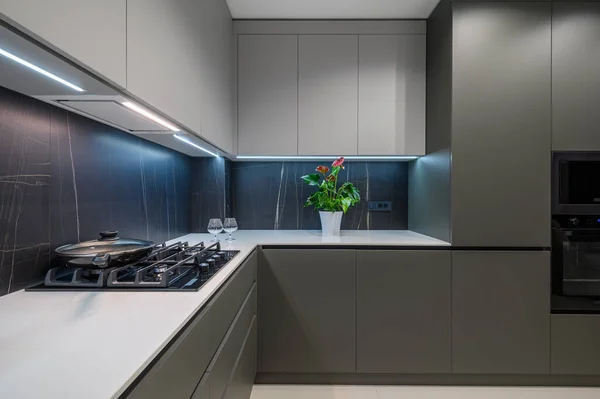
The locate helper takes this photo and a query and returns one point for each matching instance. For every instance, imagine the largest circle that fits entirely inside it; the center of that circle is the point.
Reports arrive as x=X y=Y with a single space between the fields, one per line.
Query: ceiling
x=331 y=9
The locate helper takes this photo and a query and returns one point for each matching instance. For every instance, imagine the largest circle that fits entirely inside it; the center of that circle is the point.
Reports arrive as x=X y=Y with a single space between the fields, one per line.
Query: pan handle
x=101 y=260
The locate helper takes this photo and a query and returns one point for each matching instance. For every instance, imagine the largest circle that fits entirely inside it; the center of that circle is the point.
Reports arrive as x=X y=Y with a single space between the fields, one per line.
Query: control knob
x=574 y=221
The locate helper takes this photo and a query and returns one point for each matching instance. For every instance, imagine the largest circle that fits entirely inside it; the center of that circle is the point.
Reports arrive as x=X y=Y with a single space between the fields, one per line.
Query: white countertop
x=55 y=344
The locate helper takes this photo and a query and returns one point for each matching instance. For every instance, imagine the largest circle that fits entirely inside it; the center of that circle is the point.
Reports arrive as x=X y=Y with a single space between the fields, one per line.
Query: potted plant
x=331 y=201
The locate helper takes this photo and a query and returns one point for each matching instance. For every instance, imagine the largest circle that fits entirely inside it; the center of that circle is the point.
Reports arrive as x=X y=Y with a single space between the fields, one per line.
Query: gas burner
x=174 y=267
x=160 y=269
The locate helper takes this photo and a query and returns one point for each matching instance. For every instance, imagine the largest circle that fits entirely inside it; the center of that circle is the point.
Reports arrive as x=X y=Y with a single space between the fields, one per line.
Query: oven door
x=577 y=255
x=575 y=183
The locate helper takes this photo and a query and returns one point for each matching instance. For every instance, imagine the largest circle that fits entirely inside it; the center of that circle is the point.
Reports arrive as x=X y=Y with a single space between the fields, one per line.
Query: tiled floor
x=414 y=392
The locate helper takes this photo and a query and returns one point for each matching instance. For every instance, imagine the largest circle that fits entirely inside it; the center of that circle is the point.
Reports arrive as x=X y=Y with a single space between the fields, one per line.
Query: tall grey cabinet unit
x=92 y=33
x=501 y=312
x=327 y=94
x=391 y=94
x=268 y=94
x=575 y=75
x=501 y=124
x=403 y=311
x=306 y=308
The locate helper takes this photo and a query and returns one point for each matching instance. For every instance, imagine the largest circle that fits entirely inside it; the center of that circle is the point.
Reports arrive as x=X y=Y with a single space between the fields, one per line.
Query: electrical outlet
x=380 y=206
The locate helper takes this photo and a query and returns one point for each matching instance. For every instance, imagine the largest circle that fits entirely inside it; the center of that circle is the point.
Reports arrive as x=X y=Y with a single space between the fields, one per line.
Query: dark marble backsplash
x=64 y=178
x=211 y=191
x=271 y=195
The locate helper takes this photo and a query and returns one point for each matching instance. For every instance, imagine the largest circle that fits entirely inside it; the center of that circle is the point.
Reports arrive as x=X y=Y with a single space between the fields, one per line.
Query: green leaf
x=312 y=179
x=346 y=203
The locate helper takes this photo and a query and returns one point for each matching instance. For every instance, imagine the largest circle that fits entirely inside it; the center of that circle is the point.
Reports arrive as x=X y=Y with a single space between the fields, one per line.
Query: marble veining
x=210 y=190
x=24 y=190
x=271 y=195
x=64 y=178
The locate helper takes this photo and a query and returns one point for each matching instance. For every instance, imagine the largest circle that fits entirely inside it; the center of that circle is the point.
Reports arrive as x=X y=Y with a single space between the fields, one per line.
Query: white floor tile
x=413 y=392
x=313 y=392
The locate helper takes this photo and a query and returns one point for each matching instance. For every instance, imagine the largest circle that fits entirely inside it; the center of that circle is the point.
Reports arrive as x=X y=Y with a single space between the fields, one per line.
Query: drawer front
x=202 y=390
x=575 y=344
x=222 y=365
x=228 y=301
x=178 y=371
x=244 y=373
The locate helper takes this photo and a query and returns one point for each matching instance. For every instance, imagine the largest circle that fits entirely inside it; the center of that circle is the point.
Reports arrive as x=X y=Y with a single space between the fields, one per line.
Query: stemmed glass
x=230 y=227
x=215 y=226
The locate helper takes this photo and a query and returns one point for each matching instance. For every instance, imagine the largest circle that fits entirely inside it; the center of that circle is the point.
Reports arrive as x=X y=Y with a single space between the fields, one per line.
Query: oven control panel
x=576 y=221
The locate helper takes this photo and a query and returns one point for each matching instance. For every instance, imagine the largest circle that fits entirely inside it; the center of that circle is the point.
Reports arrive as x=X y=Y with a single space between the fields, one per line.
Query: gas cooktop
x=176 y=267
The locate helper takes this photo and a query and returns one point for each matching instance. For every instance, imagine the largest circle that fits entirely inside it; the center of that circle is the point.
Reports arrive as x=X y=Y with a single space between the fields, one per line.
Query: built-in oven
x=576 y=255
x=575 y=183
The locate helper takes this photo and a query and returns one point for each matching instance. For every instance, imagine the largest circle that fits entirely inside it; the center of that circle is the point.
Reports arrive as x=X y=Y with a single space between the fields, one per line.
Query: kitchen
x=467 y=268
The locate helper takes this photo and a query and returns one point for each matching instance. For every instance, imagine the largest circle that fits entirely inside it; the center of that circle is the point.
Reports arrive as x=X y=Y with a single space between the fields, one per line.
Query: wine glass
x=230 y=227
x=215 y=226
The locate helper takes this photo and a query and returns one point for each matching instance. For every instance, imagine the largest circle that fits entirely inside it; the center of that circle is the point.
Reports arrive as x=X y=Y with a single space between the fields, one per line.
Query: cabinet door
x=177 y=373
x=306 y=311
x=391 y=95
x=403 y=311
x=268 y=94
x=575 y=344
x=501 y=312
x=244 y=373
x=217 y=73
x=327 y=94
x=163 y=57
x=501 y=125
x=575 y=75
x=91 y=32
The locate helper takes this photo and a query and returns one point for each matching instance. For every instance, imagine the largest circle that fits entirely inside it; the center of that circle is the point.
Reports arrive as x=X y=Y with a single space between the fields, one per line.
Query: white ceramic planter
x=330 y=223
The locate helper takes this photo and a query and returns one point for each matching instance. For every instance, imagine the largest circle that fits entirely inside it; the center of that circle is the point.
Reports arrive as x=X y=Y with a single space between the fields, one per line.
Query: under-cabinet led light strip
x=39 y=70
x=150 y=116
x=308 y=158
x=185 y=140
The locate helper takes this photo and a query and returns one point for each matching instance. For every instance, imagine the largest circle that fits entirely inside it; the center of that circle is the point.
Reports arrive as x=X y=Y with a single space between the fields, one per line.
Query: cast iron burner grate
x=178 y=266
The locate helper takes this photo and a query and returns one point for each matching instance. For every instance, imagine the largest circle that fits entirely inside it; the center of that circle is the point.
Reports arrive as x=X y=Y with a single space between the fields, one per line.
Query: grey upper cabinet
x=501 y=124
x=501 y=312
x=164 y=57
x=391 y=95
x=575 y=344
x=327 y=95
x=217 y=44
x=268 y=94
x=575 y=75
x=306 y=311
x=403 y=311
x=92 y=33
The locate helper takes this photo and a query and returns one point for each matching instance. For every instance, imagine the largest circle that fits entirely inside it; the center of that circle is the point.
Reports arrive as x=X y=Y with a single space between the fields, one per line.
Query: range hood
x=35 y=69
x=107 y=109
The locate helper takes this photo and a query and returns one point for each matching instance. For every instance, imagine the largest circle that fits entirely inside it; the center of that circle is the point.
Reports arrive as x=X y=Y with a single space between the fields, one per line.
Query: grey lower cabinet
x=575 y=75
x=242 y=379
x=216 y=353
x=306 y=310
x=403 y=311
x=575 y=344
x=500 y=312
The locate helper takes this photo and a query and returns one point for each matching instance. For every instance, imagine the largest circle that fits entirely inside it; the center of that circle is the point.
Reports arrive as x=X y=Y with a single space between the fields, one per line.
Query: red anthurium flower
x=338 y=162
x=330 y=178
x=322 y=169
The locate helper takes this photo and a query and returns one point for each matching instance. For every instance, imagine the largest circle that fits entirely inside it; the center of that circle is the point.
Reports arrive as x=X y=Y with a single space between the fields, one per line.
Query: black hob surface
x=176 y=267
